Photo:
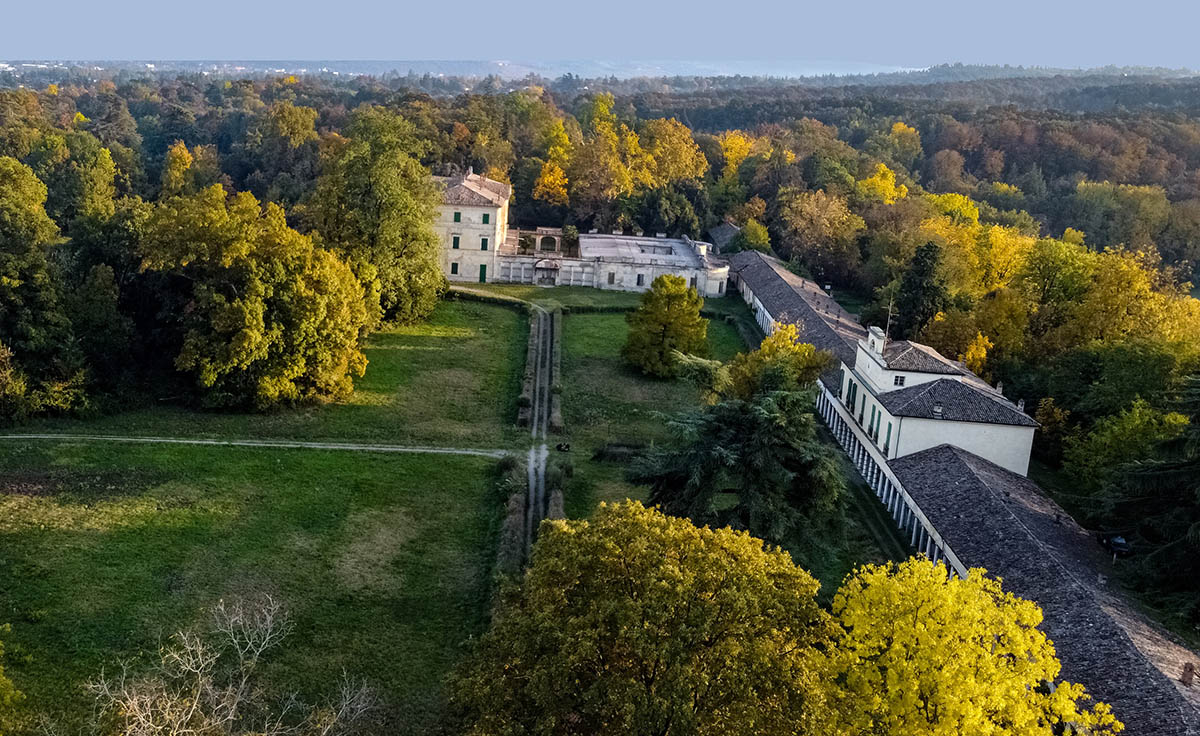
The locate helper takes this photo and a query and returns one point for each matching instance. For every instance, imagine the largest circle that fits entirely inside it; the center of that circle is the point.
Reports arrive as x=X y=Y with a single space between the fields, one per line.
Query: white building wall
x=1004 y=444
x=872 y=369
x=471 y=231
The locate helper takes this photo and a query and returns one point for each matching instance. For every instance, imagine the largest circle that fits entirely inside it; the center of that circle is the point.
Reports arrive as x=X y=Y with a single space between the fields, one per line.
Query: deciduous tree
x=927 y=654
x=668 y=319
x=638 y=623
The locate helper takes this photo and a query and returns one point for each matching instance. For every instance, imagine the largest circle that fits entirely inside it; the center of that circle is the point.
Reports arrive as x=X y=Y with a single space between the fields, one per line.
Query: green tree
x=668 y=319
x=32 y=321
x=764 y=453
x=259 y=315
x=79 y=174
x=752 y=236
x=927 y=654
x=1160 y=496
x=922 y=292
x=634 y=622
x=1094 y=459
x=375 y=204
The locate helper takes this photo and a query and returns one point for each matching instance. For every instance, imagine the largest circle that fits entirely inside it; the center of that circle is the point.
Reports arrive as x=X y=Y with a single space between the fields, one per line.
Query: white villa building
x=479 y=247
x=948 y=455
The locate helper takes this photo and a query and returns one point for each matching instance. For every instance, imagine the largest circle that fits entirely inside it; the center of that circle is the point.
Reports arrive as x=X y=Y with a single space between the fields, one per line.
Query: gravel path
x=274 y=444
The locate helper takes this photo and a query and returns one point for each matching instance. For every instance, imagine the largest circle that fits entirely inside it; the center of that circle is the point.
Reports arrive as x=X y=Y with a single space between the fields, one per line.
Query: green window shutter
x=454 y=242
x=453 y=269
x=458 y=217
x=483 y=244
x=888 y=441
x=486 y=217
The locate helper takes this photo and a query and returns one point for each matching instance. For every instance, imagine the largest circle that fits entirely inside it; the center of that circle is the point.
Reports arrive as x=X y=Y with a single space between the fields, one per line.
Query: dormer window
x=898 y=381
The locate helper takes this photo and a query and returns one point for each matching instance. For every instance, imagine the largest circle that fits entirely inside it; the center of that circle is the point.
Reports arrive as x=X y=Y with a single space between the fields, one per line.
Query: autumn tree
x=927 y=654
x=881 y=187
x=673 y=151
x=820 y=231
x=258 y=315
x=667 y=319
x=374 y=206
x=635 y=622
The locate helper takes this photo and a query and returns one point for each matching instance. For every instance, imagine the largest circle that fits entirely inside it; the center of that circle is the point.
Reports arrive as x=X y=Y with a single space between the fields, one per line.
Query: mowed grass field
x=453 y=381
x=605 y=400
x=384 y=562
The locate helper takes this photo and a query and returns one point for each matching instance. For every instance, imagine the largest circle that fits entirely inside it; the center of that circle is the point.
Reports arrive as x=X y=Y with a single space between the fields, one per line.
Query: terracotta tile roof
x=998 y=520
x=474 y=190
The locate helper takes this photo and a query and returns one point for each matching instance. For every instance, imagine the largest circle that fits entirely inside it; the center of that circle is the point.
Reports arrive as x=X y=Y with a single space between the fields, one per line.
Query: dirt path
x=273 y=444
x=539 y=420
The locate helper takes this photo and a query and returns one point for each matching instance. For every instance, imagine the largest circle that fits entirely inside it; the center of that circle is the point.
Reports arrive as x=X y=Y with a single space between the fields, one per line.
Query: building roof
x=473 y=190
x=998 y=520
x=722 y=234
x=905 y=355
x=959 y=401
x=680 y=252
x=789 y=298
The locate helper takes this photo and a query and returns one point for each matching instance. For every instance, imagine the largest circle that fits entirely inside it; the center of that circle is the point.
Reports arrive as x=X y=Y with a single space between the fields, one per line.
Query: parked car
x=1116 y=544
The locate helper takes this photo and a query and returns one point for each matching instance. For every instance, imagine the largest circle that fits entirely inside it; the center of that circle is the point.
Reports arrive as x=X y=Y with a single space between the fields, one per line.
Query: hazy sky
x=892 y=33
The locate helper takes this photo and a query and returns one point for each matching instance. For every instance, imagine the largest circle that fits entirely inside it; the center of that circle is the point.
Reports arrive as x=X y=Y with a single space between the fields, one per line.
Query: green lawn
x=606 y=401
x=850 y=301
x=453 y=380
x=384 y=561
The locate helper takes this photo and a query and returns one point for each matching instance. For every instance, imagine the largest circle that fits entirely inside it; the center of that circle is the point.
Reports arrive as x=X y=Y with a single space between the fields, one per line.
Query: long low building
x=947 y=455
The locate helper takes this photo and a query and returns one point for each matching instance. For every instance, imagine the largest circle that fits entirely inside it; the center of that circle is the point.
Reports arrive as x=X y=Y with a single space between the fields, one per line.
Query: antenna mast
x=887 y=331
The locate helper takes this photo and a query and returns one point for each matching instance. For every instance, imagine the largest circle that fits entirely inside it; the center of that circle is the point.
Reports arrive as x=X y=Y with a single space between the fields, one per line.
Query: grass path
x=274 y=444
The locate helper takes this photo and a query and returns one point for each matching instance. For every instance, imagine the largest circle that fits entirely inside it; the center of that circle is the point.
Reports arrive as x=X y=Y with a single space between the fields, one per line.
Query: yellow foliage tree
x=975 y=356
x=176 y=175
x=881 y=186
x=925 y=654
x=782 y=362
x=735 y=147
x=551 y=184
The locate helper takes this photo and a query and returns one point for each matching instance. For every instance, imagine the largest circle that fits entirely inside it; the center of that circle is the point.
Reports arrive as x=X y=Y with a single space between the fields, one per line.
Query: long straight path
x=274 y=444
x=539 y=420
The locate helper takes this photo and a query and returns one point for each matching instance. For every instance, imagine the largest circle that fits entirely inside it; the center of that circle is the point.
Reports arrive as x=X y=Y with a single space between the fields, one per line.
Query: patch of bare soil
x=366 y=564
x=97 y=484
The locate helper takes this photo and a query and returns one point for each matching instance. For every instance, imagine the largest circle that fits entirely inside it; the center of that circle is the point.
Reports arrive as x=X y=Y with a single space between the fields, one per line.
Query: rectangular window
x=612 y=277
x=483 y=244
x=458 y=217
x=486 y=217
x=898 y=381
x=720 y=287
x=641 y=280
x=454 y=242
x=453 y=269
x=888 y=440
x=693 y=284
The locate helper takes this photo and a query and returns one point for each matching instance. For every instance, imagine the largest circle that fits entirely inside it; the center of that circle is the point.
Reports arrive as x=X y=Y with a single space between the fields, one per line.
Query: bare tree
x=203 y=684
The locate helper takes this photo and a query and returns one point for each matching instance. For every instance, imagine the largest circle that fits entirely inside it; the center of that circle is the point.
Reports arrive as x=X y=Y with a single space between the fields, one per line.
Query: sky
x=893 y=34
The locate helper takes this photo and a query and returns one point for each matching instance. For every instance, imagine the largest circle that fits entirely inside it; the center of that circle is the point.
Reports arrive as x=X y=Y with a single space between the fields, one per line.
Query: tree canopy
x=668 y=319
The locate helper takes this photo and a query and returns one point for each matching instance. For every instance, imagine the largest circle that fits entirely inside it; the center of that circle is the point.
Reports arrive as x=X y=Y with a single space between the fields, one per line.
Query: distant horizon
x=517 y=68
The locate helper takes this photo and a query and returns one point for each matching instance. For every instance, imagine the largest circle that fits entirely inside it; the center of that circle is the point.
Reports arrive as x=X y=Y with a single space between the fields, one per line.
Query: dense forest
x=232 y=242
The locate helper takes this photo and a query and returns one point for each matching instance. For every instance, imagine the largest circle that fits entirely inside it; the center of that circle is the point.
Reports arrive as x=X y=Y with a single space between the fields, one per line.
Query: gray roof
x=474 y=190
x=789 y=298
x=998 y=520
x=960 y=402
x=905 y=355
x=722 y=234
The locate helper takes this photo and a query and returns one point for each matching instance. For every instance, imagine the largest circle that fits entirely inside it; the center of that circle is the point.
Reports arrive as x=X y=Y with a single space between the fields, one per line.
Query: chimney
x=937 y=410
x=470 y=171
x=1000 y=386
x=660 y=235
x=875 y=340
x=1189 y=674
x=1020 y=404
x=617 y=232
